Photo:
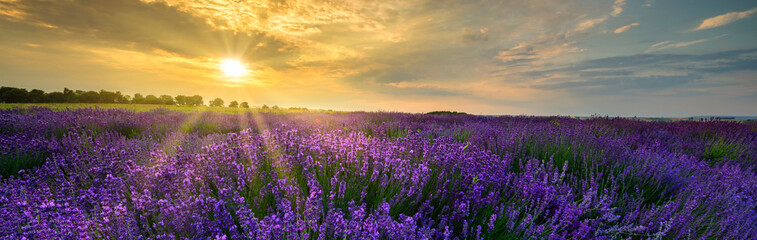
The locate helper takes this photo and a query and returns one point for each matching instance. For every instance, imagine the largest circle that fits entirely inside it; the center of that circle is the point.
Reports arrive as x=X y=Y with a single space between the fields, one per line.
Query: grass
x=720 y=149
x=11 y=163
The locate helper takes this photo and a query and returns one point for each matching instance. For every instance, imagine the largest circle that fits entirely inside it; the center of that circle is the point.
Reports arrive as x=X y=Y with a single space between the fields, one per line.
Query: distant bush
x=446 y=113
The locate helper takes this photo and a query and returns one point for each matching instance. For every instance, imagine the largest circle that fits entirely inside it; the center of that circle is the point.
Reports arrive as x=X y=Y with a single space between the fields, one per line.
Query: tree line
x=21 y=95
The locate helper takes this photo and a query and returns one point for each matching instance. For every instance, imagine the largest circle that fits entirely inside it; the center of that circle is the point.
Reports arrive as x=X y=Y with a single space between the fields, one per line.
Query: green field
x=149 y=107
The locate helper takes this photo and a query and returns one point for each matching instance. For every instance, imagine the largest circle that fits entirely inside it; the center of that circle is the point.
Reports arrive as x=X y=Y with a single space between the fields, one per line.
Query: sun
x=233 y=68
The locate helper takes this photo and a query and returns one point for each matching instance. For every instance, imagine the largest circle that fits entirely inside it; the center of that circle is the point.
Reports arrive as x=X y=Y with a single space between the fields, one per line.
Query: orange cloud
x=724 y=19
x=617 y=7
x=625 y=28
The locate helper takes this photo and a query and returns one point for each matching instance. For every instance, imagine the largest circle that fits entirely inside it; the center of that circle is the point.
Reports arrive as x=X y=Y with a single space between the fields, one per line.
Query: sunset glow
x=616 y=58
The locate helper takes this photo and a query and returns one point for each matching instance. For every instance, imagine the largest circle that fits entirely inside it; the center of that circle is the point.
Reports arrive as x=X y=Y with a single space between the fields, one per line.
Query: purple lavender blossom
x=89 y=173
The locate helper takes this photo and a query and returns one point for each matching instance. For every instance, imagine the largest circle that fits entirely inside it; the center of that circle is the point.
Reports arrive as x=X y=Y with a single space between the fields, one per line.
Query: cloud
x=688 y=62
x=552 y=47
x=9 y=10
x=589 y=23
x=489 y=52
x=615 y=85
x=604 y=73
x=334 y=39
x=648 y=3
x=724 y=19
x=395 y=82
x=475 y=36
x=683 y=44
x=295 y=21
x=137 y=26
x=385 y=76
x=660 y=44
x=617 y=7
x=625 y=28
x=584 y=25
x=291 y=18
x=645 y=74
x=537 y=52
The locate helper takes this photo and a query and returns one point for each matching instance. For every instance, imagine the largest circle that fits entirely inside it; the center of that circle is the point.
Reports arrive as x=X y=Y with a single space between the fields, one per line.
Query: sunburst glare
x=233 y=68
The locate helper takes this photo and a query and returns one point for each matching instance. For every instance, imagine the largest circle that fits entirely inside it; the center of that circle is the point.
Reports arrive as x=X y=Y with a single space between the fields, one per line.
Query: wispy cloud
x=659 y=46
x=548 y=48
x=10 y=11
x=648 y=73
x=724 y=19
x=615 y=85
x=617 y=7
x=589 y=23
x=536 y=53
x=683 y=44
x=625 y=28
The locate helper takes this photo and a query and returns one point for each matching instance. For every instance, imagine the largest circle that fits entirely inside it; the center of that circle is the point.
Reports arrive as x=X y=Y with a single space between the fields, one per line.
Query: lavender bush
x=116 y=174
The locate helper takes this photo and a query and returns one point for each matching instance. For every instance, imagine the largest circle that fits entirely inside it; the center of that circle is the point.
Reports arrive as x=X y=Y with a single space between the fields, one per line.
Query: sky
x=516 y=57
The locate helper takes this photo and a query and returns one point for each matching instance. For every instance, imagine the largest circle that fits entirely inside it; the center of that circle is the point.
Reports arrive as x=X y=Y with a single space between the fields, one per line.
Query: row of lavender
x=91 y=173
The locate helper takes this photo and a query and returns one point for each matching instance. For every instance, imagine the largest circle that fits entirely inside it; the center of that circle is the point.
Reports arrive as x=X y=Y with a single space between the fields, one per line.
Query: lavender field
x=118 y=174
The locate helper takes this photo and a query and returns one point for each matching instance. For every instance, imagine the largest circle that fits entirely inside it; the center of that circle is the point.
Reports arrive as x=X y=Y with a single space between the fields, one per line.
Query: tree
x=264 y=106
x=138 y=99
x=89 y=97
x=123 y=98
x=275 y=107
x=77 y=96
x=218 y=102
x=181 y=100
x=36 y=96
x=69 y=95
x=244 y=105
x=195 y=100
x=152 y=99
x=109 y=97
x=55 y=97
x=167 y=100
x=20 y=95
x=233 y=104
x=13 y=95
